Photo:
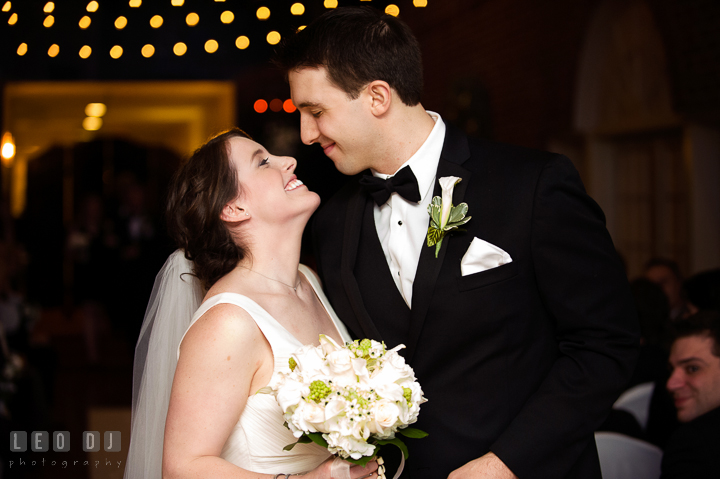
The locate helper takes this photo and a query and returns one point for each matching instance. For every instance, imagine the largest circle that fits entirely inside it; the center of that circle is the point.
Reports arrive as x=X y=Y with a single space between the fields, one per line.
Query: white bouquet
x=351 y=399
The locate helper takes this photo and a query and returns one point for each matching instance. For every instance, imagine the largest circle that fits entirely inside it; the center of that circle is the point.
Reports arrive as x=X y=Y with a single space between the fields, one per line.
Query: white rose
x=313 y=413
x=298 y=417
x=291 y=393
x=361 y=371
x=340 y=361
x=328 y=344
x=391 y=391
x=385 y=414
x=334 y=407
x=309 y=360
x=392 y=370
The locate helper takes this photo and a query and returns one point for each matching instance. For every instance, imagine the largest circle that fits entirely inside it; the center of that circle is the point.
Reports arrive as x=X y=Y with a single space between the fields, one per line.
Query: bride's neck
x=275 y=254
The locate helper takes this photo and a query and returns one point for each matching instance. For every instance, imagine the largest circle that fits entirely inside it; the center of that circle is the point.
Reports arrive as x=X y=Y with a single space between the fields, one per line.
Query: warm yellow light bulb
x=7 y=6
x=242 y=42
x=92 y=6
x=8 y=148
x=120 y=22
x=273 y=38
x=156 y=21
x=92 y=123
x=330 y=3
x=297 y=9
x=263 y=13
x=180 y=49
x=135 y=3
x=301 y=28
x=48 y=8
x=84 y=22
x=211 y=46
x=95 y=109
x=13 y=19
x=53 y=50
x=227 y=16
x=85 y=51
x=116 y=52
x=393 y=10
x=148 y=51
x=49 y=21
x=420 y=3
x=177 y=3
x=192 y=19
x=22 y=49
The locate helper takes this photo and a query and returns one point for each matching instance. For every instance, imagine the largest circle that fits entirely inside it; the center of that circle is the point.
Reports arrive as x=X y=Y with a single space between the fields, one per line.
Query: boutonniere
x=444 y=217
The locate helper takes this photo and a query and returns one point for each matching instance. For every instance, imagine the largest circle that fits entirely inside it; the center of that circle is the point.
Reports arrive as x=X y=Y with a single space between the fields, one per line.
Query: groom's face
x=342 y=126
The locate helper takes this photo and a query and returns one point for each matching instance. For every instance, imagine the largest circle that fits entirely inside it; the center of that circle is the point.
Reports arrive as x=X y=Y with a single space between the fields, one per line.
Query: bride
x=238 y=214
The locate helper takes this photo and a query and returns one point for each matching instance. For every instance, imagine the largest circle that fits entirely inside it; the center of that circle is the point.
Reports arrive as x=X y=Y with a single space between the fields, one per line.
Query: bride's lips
x=293 y=184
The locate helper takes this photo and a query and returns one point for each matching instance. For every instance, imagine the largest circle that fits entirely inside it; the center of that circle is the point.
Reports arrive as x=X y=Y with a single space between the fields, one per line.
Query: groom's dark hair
x=358 y=45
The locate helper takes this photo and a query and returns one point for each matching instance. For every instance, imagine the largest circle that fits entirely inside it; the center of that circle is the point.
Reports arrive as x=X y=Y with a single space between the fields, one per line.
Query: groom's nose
x=308 y=129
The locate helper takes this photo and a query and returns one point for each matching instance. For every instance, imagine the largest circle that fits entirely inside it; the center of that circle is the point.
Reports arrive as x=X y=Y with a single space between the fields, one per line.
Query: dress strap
x=273 y=331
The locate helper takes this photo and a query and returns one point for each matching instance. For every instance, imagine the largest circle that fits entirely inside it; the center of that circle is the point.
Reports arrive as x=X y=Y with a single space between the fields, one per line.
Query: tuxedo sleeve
x=584 y=288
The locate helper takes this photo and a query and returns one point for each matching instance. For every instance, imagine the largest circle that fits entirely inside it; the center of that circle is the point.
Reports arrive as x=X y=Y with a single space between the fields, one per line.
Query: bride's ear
x=233 y=212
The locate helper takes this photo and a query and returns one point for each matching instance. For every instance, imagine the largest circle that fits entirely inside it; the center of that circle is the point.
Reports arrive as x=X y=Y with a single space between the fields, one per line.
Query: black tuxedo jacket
x=692 y=451
x=524 y=360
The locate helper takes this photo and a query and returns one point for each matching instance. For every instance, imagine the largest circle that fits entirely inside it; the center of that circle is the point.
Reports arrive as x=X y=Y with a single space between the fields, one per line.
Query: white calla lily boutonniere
x=444 y=217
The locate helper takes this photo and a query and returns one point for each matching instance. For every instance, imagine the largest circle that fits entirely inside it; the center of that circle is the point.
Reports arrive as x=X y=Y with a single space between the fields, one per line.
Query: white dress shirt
x=402 y=225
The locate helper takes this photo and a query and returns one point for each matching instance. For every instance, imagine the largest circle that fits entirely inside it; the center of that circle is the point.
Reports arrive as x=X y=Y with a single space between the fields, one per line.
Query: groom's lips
x=328 y=148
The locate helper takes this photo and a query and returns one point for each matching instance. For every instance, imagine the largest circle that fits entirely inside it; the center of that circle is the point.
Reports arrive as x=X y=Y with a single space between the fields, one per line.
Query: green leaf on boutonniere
x=457 y=213
x=434 y=235
x=434 y=210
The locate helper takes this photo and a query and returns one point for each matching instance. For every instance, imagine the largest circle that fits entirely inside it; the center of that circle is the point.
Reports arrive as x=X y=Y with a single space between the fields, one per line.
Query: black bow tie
x=403 y=183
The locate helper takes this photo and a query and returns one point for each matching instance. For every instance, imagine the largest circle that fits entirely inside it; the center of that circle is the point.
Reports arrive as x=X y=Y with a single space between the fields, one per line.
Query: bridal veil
x=176 y=296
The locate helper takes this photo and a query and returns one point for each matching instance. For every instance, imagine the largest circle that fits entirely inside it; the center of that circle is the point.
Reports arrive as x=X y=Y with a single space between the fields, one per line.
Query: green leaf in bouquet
x=304 y=439
x=412 y=432
x=317 y=438
x=397 y=442
x=362 y=462
x=265 y=390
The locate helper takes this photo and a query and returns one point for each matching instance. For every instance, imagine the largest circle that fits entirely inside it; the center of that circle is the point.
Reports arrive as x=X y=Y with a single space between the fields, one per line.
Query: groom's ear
x=380 y=95
x=233 y=212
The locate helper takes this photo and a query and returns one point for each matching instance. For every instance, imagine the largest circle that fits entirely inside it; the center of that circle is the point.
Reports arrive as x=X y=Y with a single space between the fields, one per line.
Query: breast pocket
x=487 y=277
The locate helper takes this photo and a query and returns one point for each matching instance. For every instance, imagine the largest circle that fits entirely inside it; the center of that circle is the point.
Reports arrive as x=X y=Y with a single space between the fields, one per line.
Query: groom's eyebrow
x=307 y=104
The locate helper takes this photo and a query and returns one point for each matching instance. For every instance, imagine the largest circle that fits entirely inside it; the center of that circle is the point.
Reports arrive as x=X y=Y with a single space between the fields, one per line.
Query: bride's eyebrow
x=258 y=152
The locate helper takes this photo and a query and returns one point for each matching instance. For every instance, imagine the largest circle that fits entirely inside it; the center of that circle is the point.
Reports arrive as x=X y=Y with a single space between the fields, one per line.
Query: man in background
x=693 y=449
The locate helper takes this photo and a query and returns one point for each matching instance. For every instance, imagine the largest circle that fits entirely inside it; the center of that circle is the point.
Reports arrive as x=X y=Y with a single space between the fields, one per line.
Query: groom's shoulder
x=334 y=207
x=493 y=153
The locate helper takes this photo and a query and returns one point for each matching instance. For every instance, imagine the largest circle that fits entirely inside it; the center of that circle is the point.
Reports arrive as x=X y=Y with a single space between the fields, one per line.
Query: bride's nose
x=288 y=163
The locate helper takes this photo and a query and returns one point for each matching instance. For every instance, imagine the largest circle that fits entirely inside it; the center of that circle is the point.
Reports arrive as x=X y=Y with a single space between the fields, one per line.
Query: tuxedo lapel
x=351 y=240
x=455 y=152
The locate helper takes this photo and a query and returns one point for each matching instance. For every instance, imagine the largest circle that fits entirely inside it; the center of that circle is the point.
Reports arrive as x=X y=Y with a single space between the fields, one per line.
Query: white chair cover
x=636 y=401
x=624 y=457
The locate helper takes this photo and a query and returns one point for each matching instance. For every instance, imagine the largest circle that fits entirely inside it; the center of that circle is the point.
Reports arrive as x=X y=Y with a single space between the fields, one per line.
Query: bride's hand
x=326 y=471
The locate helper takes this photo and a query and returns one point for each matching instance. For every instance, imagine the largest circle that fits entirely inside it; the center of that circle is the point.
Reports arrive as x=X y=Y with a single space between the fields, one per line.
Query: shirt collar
x=425 y=161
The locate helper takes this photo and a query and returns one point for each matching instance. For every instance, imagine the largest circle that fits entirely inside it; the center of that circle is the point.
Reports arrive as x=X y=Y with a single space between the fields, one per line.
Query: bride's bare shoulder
x=223 y=327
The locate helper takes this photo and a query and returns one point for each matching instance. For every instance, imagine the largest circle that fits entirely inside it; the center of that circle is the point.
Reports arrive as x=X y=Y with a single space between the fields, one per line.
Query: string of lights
x=191 y=19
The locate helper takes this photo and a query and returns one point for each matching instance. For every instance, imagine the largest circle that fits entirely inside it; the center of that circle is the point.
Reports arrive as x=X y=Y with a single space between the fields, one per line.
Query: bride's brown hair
x=198 y=192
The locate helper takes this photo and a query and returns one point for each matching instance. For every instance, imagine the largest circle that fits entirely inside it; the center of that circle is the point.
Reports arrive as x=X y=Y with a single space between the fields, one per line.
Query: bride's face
x=270 y=191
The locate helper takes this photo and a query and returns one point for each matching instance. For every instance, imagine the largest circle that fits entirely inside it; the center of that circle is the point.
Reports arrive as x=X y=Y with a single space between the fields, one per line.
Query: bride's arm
x=224 y=358
x=220 y=356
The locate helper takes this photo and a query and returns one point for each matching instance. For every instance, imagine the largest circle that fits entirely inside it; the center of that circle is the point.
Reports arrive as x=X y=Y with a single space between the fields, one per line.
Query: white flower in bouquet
x=351 y=399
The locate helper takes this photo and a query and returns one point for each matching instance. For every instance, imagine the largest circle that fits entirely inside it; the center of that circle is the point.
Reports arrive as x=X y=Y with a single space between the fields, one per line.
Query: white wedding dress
x=256 y=442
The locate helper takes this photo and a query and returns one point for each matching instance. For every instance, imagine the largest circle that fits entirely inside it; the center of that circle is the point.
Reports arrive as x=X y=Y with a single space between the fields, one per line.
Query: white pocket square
x=482 y=256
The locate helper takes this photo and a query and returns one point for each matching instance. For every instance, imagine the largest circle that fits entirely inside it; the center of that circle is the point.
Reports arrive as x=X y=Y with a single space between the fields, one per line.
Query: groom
x=522 y=330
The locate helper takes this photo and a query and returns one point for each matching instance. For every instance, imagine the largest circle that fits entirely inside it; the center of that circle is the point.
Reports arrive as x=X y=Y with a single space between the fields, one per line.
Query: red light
x=288 y=106
x=260 y=106
x=276 y=105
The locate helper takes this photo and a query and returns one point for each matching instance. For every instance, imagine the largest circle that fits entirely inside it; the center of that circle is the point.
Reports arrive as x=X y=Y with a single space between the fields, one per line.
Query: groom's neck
x=404 y=130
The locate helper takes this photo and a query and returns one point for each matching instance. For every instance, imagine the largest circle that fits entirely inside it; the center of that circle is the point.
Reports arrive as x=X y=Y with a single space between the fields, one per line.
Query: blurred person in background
x=692 y=451
x=666 y=274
